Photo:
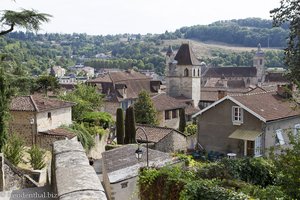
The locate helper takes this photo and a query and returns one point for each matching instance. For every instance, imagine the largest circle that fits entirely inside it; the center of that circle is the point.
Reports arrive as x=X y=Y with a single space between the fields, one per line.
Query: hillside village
x=236 y=112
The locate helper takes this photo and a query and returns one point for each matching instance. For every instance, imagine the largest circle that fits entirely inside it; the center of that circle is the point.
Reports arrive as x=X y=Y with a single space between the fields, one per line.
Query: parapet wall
x=71 y=175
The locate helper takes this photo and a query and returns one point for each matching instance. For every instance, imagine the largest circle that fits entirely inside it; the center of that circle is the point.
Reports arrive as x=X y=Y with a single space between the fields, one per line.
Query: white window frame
x=296 y=129
x=258 y=146
x=279 y=137
x=239 y=117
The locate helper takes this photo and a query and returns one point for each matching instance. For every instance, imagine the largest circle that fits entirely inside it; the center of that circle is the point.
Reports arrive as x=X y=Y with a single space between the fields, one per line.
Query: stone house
x=121 y=88
x=36 y=116
x=162 y=138
x=248 y=124
x=167 y=110
x=120 y=170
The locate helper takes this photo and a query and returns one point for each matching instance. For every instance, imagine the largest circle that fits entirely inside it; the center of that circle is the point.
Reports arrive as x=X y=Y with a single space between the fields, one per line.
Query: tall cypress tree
x=120 y=126
x=182 y=121
x=129 y=126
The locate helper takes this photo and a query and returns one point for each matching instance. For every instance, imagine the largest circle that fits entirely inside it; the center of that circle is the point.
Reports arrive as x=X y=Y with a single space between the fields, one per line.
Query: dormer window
x=186 y=72
x=237 y=115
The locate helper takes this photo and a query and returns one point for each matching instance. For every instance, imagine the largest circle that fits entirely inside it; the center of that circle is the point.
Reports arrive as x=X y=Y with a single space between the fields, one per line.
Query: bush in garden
x=37 y=156
x=13 y=149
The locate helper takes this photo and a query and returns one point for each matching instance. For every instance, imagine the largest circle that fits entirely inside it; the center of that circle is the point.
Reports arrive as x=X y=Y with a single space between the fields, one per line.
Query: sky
x=103 y=17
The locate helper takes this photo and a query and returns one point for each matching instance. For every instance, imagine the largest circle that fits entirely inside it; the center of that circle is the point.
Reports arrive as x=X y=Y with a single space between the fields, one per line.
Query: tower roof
x=170 y=51
x=185 y=56
x=259 y=52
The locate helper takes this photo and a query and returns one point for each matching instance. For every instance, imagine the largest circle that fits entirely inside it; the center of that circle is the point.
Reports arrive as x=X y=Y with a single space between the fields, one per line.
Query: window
x=198 y=72
x=194 y=72
x=49 y=115
x=237 y=115
x=186 y=72
x=279 y=137
x=260 y=61
x=297 y=130
x=124 y=185
x=174 y=113
x=167 y=114
x=258 y=146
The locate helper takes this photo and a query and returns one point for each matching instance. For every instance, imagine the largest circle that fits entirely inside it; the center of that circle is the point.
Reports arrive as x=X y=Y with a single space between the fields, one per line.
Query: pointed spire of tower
x=170 y=51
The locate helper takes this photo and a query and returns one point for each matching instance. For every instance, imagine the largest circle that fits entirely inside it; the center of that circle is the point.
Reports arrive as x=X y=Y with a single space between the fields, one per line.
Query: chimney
x=2 y=180
x=222 y=93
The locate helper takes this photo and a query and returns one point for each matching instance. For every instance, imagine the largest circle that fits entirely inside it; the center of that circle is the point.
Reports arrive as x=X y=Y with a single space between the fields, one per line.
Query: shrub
x=98 y=119
x=13 y=150
x=191 y=129
x=209 y=190
x=269 y=192
x=37 y=156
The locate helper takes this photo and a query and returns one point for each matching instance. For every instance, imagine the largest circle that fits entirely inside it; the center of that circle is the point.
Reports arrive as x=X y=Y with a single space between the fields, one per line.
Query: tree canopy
x=289 y=12
x=28 y=19
x=145 y=112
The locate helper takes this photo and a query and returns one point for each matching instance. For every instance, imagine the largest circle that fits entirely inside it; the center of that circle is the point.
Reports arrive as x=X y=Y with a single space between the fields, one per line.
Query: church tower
x=183 y=74
x=259 y=63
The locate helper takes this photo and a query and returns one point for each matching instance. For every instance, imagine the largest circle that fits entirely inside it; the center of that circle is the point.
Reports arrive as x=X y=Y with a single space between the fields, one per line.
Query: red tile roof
x=59 y=132
x=268 y=105
x=154 y=133
x=226 y=72
x=165 y=102
x=37 y=103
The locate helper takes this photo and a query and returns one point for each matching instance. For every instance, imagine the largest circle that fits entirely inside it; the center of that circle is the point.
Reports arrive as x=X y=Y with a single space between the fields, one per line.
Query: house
x=167 y=110
x=121 y=88
x=120 y=169
x=57 y=71
x=163 y=139
x=248 y=124
x=36 y=116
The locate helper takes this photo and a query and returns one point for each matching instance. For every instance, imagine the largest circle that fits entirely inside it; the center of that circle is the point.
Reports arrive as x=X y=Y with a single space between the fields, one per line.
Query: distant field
x=203 y=50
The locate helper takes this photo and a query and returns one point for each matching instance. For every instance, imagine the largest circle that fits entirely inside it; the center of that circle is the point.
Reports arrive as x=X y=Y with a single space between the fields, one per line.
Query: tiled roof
x=185 y=56
x=154 y=133
x=219 y=72
x=275 y=77
x=101 y=79
x=59 y=132
x=165 y=102
x=127 y=75
x=211 y=93
x=124 y=157
x=190 y=110
x=37 y=103
x=268 y=105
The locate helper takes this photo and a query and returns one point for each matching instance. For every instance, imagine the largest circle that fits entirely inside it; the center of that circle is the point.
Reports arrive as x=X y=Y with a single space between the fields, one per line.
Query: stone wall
x=172 y=142
x=46 y=141
x=72 y=176
x=20 y=124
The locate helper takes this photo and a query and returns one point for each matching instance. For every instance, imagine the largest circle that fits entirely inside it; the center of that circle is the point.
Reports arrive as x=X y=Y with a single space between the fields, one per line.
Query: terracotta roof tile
x=227 y=72
x=154 y=133
x=59 y=132
x=269 y=105
x=165 y=102
x=37 y=103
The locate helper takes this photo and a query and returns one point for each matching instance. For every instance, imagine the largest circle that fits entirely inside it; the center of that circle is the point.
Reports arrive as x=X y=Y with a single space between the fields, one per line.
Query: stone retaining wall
x=72 y=176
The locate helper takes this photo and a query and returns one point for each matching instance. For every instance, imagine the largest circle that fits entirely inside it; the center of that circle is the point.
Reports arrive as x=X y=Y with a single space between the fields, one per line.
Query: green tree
x=102 y=119
x=37 y=156
x=87 y=99
x=288 y=166
x=120 y=126
x=191 y=129
x=28 y=19
x=289 y=12
x=130 y=130
x=5 y=95
x=182 y=121
x=145 y=113
x=47 y=82
x=13 y=149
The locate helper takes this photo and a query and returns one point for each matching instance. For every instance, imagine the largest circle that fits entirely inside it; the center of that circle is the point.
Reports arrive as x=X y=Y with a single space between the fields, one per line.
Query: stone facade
x=171 y=122
x=27 y=124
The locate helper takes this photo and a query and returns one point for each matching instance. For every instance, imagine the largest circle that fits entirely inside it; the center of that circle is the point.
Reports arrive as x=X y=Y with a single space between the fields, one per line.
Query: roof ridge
x=255 y=93
x=33 y=102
